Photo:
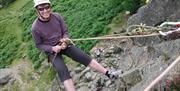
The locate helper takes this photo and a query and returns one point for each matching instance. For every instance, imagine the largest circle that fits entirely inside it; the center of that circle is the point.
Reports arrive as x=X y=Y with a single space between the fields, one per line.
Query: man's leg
x=95 y=65
x=69 y=85
x=79 y=56
x=63 y=73
x=98 y=67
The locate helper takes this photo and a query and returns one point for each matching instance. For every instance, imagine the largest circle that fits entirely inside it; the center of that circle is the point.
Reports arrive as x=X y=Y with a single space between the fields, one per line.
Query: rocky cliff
x=156 y=12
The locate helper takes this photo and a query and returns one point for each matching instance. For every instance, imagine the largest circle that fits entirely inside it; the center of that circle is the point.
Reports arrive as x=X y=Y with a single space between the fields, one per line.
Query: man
x=50 y=36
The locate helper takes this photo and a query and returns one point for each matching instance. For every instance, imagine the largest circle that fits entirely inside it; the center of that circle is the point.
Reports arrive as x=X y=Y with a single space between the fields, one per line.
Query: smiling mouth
x=46 y=14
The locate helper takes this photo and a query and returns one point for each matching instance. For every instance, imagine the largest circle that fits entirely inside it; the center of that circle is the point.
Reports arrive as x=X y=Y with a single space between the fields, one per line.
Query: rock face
x=140 y=62
x=156 y=12
x=5 y=76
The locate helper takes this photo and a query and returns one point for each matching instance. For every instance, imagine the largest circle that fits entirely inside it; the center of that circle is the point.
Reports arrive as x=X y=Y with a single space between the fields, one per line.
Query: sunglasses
x=45 y=7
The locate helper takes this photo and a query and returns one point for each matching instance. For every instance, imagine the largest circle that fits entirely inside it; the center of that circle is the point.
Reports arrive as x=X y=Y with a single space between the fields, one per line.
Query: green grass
x=10 y=32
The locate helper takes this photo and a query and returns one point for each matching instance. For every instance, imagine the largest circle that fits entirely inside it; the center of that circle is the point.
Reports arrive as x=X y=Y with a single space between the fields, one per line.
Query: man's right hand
x=66 y=40
x=56 y=48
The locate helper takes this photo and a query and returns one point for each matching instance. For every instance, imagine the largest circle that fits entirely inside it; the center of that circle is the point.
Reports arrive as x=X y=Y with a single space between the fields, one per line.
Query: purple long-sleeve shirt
x=46 y=34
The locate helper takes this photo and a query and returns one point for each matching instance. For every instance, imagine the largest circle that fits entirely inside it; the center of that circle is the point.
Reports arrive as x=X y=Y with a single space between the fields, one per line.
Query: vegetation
x=10 y=34
x=9 y=42
x=5 y=3
x=173 y=85
x=9 y=46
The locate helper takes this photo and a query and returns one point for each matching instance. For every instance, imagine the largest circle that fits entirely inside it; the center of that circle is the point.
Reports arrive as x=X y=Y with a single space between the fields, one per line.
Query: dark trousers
x=74 y=53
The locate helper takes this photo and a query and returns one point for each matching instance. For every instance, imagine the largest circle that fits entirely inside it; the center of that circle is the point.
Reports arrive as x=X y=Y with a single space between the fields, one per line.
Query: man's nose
x=44 y=10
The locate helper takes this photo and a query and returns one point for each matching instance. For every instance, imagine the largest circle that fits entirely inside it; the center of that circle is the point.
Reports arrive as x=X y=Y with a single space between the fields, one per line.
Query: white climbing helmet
x=38 y=2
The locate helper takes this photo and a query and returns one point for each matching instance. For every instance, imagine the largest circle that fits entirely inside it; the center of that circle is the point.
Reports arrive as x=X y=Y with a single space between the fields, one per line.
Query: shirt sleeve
x=39 y=44
x=63 y=26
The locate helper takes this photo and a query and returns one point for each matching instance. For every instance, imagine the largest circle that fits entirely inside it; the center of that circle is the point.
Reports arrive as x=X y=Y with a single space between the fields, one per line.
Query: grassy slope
x=11 y=36
x=11 y=32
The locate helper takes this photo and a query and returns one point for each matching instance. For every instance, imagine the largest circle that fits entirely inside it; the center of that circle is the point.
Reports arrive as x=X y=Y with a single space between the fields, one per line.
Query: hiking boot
x=110 y=75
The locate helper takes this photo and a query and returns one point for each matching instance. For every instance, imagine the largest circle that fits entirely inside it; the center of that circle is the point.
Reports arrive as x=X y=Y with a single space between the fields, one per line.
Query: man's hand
x=64 y=40
x=56 y=48
x=63 y=45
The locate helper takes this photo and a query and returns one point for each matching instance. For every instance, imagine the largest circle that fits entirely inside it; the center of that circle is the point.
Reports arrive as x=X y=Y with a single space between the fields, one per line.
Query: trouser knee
x=61 y=69
x=63 y=74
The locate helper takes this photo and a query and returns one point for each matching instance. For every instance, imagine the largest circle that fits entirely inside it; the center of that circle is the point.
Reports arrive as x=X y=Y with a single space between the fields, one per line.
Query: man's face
x=44 y=10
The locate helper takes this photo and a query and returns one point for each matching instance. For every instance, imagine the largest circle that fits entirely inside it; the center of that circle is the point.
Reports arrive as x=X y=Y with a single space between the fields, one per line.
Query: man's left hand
x=63 y=45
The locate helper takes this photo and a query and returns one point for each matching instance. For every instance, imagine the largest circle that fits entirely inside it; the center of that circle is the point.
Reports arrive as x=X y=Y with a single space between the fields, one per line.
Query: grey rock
x=155 y=12
x=5 y=76
x=133 y=77
x=83 y=88
x=88 y=76
x=78 y=69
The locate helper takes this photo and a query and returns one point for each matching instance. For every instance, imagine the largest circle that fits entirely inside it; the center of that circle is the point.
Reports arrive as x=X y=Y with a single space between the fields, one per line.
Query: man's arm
x=63 y=26
x=39 y=44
